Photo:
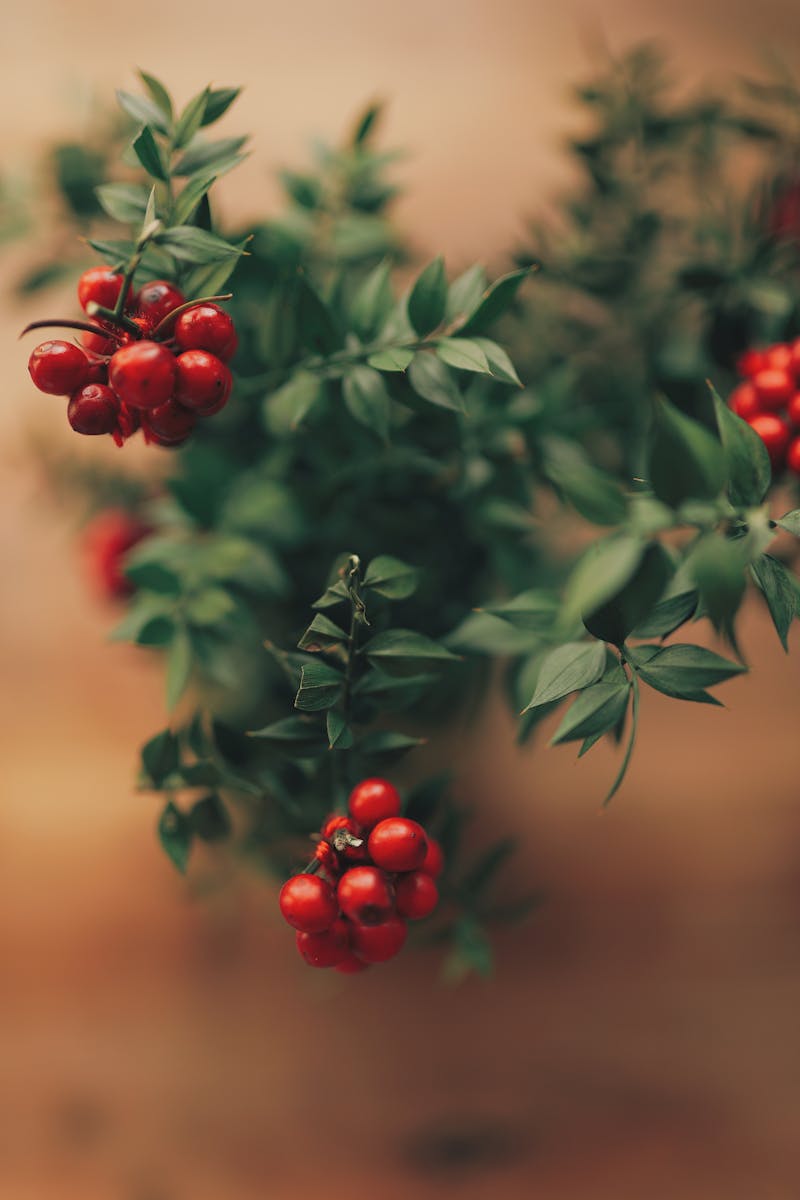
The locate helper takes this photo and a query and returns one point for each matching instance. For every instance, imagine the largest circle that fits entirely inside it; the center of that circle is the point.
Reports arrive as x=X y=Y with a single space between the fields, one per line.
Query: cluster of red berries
x=768 y=398
x=377 y=871
x=158 y=368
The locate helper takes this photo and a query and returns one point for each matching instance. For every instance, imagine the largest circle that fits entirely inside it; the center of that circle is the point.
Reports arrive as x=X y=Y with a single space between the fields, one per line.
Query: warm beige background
x=160 y=1042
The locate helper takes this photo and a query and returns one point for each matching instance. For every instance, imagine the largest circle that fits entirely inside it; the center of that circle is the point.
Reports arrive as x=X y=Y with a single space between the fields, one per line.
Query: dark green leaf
x=391 y=578
x=500 y=364
x=153 y=577
x=158 y=93
x=211 y=157
x=613 y=620
x=405 y=652
x=388 y=744
x=294 y=735
x=320 y=687
x=190 y=244
x=315 y=319
x=393 y=358
x=717 y=565
x=683 y=671
x=286 y=409
x=428 y=298
x=746 y=457
x=686 y=461
x=666 y=616
x=780 y=592
x=187 y=202
x=373 y=301
x=431 y=380
x=466 y=292
x=218 y=102
x=597 y=710
x=209 y=820
x=495 y=301
x=600 y=574
x=149 y=155
x=321 y=634
x=160 y=756
x=179 y=667
x=367 y=399
x=340 y=736
x=175 y=835
x=365 y=124
x=566 y=669
x=463 y=354
x=594 y=494
x=190 y=120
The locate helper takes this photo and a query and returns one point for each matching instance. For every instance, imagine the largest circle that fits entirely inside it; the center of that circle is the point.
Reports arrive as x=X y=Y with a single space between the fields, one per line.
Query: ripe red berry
x=774 y=388
x=203 y=382
x=93 y=410
x=100 y=285
x=778 y=357
x=98 y=343
x=206 y=327
x=106 y=541
x=417 y=895
x=308 y=903
x=397 y=844
x=377 y=943
x=366 y=895
x=774 y=433
x=58 y=368
x=795 y=363
x=433 y=862
x=751 y=361
x=374 y=800
x=793 y=456
x=793 y=410
x=326 y=949
x=744 y=401
x=168 y=425
x=351 y=965
x=157 y=299
x=142 y=374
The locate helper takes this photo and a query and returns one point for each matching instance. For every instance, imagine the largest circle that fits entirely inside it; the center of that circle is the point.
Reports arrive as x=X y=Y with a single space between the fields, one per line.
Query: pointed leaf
x=749 y=471
x=431 y=380
x=780 y=592
x=597 y=710
x=495 y=301
x=190 y=120
x=686 y=462
x=218 y=102
x=175 y=835
x=393 y=358
x=320 y=687
x=566 y=669
x=149 y=155
x=428 y=297
x=367 y=399
x=391 y=578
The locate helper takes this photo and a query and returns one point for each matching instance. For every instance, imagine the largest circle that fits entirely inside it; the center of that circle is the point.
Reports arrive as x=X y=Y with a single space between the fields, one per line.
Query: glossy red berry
x=351 y=965
x=100 y=285
x=774 y=388
x=417 y=895
x=168 y=425
x=308 y=903
x=795 y=363
x=433 y=862
x=793 y=456
x=142 y=374
x=397 y=844
x=774 y=433
x=58 y=368
x=751 y=361
x=793 y=409
x=203 y=382
x=157 y=299
x=206 y=327
x=106 y=541
x=99 y=343
x=377 y=943
x=744 y=401
x=326 y=949
x=373 y=800
x=93 y=409
x=366 y=895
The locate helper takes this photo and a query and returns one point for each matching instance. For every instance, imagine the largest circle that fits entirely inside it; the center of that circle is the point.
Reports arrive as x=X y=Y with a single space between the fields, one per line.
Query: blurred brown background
x=161 y=1041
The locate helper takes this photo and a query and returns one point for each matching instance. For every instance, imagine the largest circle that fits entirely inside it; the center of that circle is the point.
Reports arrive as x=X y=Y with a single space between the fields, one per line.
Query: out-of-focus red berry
x=793 y=456
x=774 y=388
x=744 y=401
x=326 y=949
x=106 y=541
x=417 y=895
x=774 y=433
x=377 y=943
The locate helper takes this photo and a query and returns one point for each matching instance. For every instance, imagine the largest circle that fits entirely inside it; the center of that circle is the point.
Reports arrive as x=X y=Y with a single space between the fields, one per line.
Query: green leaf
x=780 y=592
x=463 y=354
x=388 y=744
x=320 y=687
x=466 y=292
x=179 y=667
x=218 y=102
x=613 y=620
x=149 y=155
x=746 y=457
x=286 y=409
x=321 y=634
x=391 y=578
x=293 y=735
x=160 y=756
x=340 y=736
x=209 y=280
x=144 y=112
x=667 y=616
x=158 y=94
x=123 y=201
x=367 y=399
x=393 y=358
x=187 y=202
x=594 y=494
x=190 y=244
x=316 y=322
x=597 y=710
x=366 y=124
x=683 y=670
x=405 y=652
x=500 y=364
x=534 y=609
x=568 y=668
x=209 y=820
x=686 y=461
x=790 y=521
x=431 y=380
x=373 y=301
x=175 y=835
x=599 y=574
x=190 y=119
x=428 y=297
x=623 y=770
x=717 y=565
x=153 y=577
x=156 y=632
x=494 y=302
x=211 y=157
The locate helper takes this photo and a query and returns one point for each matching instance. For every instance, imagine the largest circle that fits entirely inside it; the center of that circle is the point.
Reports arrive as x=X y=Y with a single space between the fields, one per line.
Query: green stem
x=631 y=740
x=114 y=318
x=356 y=616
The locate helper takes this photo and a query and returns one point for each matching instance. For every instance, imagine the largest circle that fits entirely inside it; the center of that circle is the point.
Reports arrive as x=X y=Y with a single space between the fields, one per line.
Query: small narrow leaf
x=566 y=669
x=160 y=756
x=210 y=157
x=779 y=588
x=158 y=93
x=431 y=380
x=321 y=634
x=428 y=298
x=373 y=301
x=208 y=819
x=463 y=354
x=686 y=461
x=500 y=364
x=340 y=736
x=149 y=155
x=143 y=111
x=367 y=399
x=749 y=471
x=190 y=119
x=597 y=710
x=495 y=301
x=405 y=652
x=175 y=835
x=682 y=670
x=218 y=102
x=286 y=408
x=123 y=201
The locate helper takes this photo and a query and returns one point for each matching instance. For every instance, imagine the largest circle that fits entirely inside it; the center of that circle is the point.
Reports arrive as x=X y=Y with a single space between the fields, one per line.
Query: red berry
x=100 y=285
x=793 y=411
x=98 y=343
x=778 y=357
x=58 y=368
x=751 y=361
x=168 y=425
x=795 y=363
x=374 y=800
x=744 y=401
x=206 y=327
x=417 y=895
x=774 y=433
x=93 y=409
x=793 y=456
x=203 y=383
x=398 y=844
x=351 y=965
x=774 y=388
x=144 y=324
x=377 y=943
x=142 y=374
x=335 y=831
x=366 y=895
x=308 y=903
x=106 y=541
x=325 y=949
x=433 y=862
x=156 y=300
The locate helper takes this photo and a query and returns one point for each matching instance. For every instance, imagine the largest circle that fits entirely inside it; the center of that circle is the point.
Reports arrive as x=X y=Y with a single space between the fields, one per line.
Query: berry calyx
x=774 y=433
x=156 y=300
x=373 y=800
x=206 y=327
x=326 y=949
x=58 y=368
x=417 y=895
x=433 y=862
x=100 y=285
x=397 y=844
x=202 y=382
x=168 y=425
x=143 y=374
x=377 y=943
x=366 y=895
x=774 y=387
x=93 y=409
x=308 y=903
